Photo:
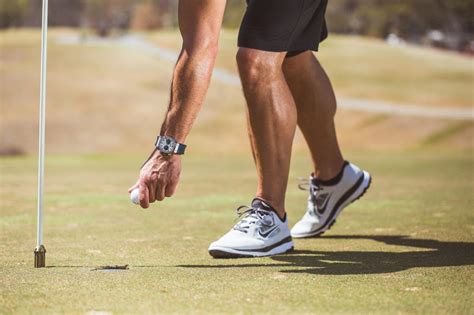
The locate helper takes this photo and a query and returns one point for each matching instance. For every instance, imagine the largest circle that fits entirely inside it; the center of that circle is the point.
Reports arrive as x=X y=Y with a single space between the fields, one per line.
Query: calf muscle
x=316 y=106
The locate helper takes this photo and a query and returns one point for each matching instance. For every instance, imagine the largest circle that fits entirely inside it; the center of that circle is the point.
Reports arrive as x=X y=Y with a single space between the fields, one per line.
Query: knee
x=202 y=46
x=255 y=65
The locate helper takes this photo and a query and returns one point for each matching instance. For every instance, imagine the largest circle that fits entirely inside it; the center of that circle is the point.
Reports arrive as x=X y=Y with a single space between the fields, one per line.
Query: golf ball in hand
x=135 y=196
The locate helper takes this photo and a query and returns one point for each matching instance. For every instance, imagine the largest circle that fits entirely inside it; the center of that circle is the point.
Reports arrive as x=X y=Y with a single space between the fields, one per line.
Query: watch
x=168 y=145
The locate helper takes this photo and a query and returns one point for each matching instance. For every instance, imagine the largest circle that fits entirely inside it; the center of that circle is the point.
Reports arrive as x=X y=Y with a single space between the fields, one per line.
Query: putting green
x=406 y=247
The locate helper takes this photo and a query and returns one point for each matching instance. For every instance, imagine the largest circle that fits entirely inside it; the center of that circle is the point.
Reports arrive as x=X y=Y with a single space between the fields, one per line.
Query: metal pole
x=40 y=251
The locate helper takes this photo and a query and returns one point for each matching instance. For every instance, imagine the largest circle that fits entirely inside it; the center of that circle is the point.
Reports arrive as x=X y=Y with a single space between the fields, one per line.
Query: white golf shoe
x=259 y=232
x=327 y=199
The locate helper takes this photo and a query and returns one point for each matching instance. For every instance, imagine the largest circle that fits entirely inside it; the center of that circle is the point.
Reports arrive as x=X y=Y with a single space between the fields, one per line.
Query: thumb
x=133 y=187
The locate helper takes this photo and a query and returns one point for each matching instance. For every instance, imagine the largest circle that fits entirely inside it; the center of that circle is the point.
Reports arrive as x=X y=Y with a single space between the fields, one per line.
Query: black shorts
x=284 y=25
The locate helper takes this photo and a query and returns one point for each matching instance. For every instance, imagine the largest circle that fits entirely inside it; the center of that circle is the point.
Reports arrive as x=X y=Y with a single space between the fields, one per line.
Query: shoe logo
x=322 y=202
x=267 y=232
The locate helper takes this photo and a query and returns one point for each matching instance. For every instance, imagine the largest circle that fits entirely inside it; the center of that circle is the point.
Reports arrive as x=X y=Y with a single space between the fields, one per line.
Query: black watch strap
x=180 y=148
x=168 y=145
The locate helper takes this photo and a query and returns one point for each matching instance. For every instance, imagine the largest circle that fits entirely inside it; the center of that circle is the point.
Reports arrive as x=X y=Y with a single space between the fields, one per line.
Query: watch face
x=166 y=145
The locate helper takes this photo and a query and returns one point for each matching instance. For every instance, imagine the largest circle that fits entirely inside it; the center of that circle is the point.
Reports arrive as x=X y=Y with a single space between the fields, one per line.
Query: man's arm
x=199 y=23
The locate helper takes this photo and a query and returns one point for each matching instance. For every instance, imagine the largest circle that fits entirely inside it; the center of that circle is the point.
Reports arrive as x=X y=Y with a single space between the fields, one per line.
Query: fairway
x=121 y=93
x=406 y=247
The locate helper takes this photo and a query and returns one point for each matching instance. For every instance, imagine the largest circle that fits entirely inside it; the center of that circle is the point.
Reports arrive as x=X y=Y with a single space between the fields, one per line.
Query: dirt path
x=227 y=77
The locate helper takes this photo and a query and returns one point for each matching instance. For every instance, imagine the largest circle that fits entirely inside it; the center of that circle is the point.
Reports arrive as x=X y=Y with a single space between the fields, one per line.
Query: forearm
x=190 y=83
x=199 y=24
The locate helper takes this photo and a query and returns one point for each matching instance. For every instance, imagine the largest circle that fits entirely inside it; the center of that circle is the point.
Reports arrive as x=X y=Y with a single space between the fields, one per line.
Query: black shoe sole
x=226 y=255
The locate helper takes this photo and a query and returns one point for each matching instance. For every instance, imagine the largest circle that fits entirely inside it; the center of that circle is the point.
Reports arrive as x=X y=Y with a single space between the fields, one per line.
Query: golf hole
x=111 y=268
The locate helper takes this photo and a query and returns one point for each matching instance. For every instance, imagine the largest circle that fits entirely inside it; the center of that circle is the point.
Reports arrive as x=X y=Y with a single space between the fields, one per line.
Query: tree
x=12 y=12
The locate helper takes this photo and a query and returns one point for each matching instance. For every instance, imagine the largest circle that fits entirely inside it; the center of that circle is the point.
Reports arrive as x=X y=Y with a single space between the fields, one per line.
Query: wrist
x=165 y=157
x=168 y=145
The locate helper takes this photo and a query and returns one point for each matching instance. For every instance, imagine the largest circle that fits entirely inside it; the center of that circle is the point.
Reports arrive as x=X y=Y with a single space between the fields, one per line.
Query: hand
x=159 y=177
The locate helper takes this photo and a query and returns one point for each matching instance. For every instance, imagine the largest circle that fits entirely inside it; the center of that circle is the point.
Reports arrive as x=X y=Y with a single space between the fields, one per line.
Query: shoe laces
x=308 y=185
x=248 y=215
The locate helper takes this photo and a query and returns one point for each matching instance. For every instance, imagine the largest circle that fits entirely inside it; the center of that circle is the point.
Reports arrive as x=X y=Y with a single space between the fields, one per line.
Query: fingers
x=157 y=181
x=160 y=192
x=144 y=195
x=170 y=189
x=160 y=188
x=133 y=187
x=152 y=190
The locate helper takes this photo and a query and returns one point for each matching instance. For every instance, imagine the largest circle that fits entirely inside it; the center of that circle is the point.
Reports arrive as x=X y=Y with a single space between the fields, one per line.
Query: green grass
x=406 y=247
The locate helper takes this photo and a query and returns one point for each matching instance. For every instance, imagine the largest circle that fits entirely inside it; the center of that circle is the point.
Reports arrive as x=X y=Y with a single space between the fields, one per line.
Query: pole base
x=40 y=257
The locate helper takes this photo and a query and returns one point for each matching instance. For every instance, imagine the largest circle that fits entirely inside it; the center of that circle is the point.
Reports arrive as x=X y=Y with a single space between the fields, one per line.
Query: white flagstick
x=40 y=251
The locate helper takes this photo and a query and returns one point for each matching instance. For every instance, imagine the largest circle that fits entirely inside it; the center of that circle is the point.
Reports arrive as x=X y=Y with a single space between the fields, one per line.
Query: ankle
x=281 y=214
x=329 y=173
x=278 y=208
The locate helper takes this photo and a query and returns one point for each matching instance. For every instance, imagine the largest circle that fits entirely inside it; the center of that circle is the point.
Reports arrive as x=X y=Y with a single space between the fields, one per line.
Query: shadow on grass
x=436 y=254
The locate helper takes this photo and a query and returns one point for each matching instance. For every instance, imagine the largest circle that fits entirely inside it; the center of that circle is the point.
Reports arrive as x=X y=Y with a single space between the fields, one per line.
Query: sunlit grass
x=105 y=99
x=362 y=265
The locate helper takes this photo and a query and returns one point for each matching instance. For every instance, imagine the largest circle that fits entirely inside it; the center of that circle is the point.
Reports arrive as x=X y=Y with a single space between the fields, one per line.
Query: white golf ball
x=135 y=196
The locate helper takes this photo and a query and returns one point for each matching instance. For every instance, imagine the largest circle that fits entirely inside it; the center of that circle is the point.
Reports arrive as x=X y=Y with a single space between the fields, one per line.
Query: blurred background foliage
x=441 y=23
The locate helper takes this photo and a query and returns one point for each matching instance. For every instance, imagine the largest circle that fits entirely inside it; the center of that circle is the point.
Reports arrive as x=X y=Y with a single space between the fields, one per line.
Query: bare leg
x=272 y=121
x=316 y=107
